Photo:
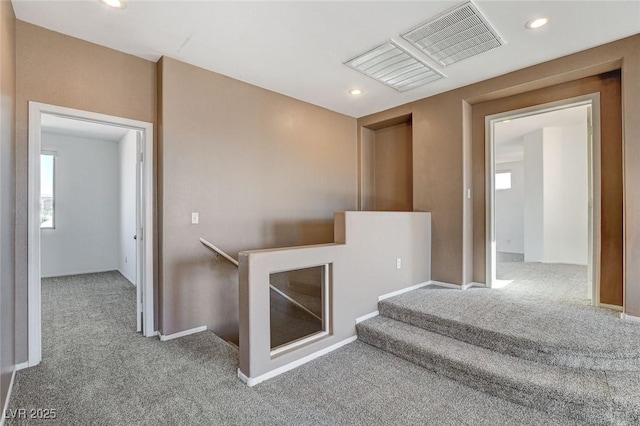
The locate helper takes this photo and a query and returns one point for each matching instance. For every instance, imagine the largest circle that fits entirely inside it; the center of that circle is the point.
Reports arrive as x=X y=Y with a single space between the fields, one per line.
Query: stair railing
x=219 y=251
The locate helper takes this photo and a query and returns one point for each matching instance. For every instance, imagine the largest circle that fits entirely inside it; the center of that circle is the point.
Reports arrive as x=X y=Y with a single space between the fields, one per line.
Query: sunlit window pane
x=503 y=180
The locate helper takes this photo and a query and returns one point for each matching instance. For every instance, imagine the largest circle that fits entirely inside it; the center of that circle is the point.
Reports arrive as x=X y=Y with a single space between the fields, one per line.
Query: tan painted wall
x=7 y=195
x=393 y=174
x=363 y=264
x=608 y=85
x=437 y=175
x=263 y=170
x=439 y=145
x=57 y=69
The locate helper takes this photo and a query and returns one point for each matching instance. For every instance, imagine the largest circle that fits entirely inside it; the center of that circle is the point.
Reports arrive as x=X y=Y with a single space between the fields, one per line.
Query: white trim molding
x=456 y=286
x=403 y=290
x=630 y=318
x=594 y=237
x=164 y=338
x=252 y=381
x=612 y=307
x=367 y=316
x=34 y=303
x=22 y=366
x=447 y=285
x=6 y=401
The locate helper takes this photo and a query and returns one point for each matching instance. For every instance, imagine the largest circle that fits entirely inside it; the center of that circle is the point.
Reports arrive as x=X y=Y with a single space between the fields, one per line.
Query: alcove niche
x=387 y=165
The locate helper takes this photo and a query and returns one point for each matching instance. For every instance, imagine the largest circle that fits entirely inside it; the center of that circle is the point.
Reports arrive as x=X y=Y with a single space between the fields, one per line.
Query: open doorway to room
x=90 y=200
x=544 y=227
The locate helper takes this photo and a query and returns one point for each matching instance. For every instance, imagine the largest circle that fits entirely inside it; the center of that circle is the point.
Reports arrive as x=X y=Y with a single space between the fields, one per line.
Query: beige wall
x=363 y=265
x=437 y=175
x=263 y=170
x=439 y=152
x=392 y=169
x=60 y=70
x=7 y=196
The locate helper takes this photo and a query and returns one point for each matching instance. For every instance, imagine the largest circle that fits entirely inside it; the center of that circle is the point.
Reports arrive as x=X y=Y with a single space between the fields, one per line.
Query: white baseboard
x=6 y=402
x=22 y=366
x=127 y=278
x=628 y=317
x=252 y=381
x=69 y=274
x=368 y=316
x=404 y=290
x=455 y=286
x=164 y=338
x=446 y=285
x=612 y=307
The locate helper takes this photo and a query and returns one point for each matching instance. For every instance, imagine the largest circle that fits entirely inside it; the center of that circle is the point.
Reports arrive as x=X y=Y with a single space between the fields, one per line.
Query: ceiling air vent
x=395 y=67
x=457 y=34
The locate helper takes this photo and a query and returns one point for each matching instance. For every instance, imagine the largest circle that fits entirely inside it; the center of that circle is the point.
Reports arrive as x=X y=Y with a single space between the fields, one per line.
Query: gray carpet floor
x=545 y=312
x=536 y=342
x=97 y=371
x=556 y=282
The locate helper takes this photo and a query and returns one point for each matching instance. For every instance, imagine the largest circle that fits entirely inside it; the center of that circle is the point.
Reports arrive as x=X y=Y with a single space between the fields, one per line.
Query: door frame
x=145 y=216
x=594 y=197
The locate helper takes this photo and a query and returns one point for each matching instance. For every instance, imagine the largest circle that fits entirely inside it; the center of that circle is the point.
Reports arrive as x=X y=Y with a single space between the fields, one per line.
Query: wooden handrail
x=219 y=251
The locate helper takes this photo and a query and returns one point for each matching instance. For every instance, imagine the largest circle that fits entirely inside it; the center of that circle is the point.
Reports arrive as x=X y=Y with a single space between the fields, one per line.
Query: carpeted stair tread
x=578 y=394
x=555 y=334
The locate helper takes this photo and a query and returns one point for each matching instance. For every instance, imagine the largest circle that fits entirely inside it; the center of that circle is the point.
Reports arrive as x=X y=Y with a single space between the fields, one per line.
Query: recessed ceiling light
x=355 y=92
x=534 y=23
x=118 y=4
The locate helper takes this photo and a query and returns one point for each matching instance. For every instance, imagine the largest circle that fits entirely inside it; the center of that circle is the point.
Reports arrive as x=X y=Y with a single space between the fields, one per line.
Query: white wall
x=556 y=202
x=85 y=238
x=127 y=149
x=510 y=210
x=534 y=200
x=566 y=195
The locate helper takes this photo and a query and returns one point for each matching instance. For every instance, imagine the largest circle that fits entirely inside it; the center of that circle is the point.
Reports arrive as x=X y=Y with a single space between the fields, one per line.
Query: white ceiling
x=509 y=145
x=298 y=48
x=80 y=128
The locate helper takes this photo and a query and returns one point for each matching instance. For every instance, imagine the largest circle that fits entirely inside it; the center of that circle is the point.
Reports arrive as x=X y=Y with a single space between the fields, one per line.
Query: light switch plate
x=195 y=218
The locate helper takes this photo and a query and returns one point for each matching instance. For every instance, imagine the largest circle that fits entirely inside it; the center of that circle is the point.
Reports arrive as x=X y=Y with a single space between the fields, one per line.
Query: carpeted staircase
x=573 y=361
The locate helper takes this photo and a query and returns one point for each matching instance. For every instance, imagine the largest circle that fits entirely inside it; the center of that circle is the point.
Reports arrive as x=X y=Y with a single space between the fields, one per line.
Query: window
x=503 y=180
x=47 y=168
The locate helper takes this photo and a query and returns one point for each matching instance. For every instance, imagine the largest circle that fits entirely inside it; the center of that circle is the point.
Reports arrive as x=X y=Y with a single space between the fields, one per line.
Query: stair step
x=559 y=335
x=583 y=395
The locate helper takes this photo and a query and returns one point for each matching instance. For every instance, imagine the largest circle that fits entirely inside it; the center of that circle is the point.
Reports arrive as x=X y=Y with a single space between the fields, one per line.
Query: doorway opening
x=386 y=180
x=543 y=199
x=90 y=202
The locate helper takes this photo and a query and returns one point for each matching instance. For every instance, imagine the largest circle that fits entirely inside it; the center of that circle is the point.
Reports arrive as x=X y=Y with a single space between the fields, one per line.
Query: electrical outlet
x=195 y=218
x=398 y=263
